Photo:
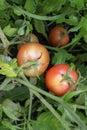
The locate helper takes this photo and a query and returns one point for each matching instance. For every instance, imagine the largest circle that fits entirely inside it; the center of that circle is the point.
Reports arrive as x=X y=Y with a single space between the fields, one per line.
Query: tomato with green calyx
x=38 y=57
x=59 y=36
x=61 y=78
x=31 y=37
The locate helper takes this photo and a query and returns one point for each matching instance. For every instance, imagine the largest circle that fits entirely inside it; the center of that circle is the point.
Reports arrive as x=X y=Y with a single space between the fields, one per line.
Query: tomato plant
x=38 y=102
x=59 y=80
x=33 y=52
x=31 y=37
x=58 y=36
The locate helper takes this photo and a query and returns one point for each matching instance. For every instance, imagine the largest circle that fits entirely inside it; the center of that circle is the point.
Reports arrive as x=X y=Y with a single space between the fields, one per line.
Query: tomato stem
x=30 y=106
x=39 y=17
x=52 y=48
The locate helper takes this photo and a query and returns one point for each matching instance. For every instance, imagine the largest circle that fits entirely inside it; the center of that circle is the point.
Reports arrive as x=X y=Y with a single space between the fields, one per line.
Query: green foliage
x=40 y=27
x=46 y=121
x=8 y=126
x=79 y=4
x=52 y=6
x=30 y=6
x=3 y=5
x=9 y=31
x=9 y=68
x=41 y=110
x=11 y=109
x=18 y=93
x=61 y=57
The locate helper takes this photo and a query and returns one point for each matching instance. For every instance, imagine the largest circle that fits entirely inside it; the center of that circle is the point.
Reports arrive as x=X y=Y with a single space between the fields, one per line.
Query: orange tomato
x=58 y=36
x=33 y=52
x=55 y=81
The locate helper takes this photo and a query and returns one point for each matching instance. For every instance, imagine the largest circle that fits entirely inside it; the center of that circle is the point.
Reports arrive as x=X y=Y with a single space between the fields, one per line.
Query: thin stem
x=30 y=106
x=52 y=48
x=31 y=100
x=30 y=15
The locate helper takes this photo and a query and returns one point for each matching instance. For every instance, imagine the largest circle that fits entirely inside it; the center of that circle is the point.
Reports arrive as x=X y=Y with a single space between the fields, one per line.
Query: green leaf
x=8 y=125
x=18 y=93
x=3 y=4
x=84 y=25
x=78 y=3
x=40 y=27
x=83 y=116
x=6 y=69
x=17 y=11
x=29 y=126
x=52 y=6
x=72 y=20
x=10 y=31
x=81 y=99
x=5 y=17
x=3 y=127
x=62 y=56
x=21 y=30
x=46 y=121
x=85 y=37
x=11 y=109
x=5 y=83
x=76 y=28
x=30 y=6
x=8 y=87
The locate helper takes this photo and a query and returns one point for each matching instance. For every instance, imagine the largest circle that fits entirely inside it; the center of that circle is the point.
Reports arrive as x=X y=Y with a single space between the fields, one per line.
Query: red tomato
x=58 y=36
x=30 y=38
x=32 y=52
x=55 y=81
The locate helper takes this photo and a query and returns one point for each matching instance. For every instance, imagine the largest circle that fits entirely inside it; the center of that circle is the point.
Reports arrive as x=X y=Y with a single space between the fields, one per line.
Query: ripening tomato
x=30 y=38
x=59 y=79
x=33 y=37
x=58 y=36
x=33 y=52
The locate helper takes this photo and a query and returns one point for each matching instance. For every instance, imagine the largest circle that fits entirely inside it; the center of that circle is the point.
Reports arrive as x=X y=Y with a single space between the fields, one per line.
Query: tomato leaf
x=78 y=3
x=11 y=109
x=6 y=69
x=8 y=87
x=30 y=6
x=61 y=57
x=8 y=125
x=10 y=31
x=3 y=5
x=40 y=27
x=46 y=121
x=18 y=93
x=52 y=6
